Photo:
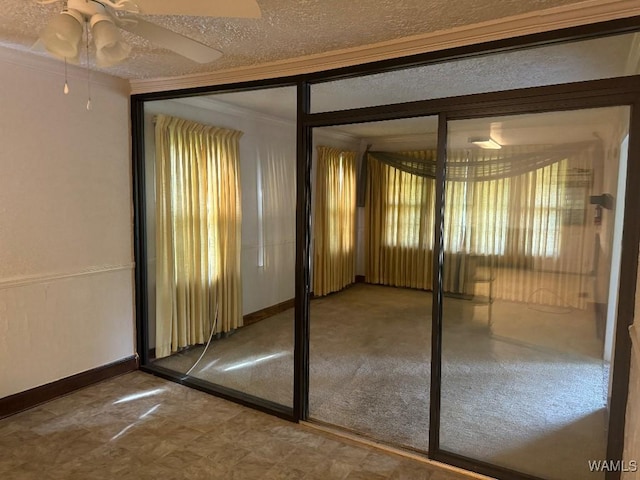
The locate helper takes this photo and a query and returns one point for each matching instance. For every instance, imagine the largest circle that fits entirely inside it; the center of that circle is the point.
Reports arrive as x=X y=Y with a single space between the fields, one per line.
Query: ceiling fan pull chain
x=66 y=82
x=86 y=29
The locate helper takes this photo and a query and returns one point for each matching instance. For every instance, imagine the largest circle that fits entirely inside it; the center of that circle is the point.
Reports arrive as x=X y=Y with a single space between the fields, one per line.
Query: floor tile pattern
x=138 y=426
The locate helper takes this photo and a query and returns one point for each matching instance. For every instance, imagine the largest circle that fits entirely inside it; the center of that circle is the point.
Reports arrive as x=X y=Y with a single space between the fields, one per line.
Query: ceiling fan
x=103 y=18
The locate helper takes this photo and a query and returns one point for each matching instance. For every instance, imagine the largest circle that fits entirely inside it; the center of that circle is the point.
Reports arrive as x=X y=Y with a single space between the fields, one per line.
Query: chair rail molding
x=21 y=281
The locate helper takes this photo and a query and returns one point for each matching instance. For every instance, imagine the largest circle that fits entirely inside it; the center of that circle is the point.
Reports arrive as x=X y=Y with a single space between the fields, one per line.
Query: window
x=483 y=215
x=408 y=198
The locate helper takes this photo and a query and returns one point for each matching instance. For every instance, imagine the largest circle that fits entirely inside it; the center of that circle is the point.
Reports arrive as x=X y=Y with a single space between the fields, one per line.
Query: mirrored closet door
x=373 y=201
x=220 y=214
x=532 y=240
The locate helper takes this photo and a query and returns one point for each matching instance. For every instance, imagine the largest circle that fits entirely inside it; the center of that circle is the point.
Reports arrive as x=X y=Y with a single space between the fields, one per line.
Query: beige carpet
x=530 y=387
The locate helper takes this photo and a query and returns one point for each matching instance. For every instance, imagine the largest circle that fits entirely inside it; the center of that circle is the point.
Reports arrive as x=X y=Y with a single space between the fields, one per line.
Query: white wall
x=267 y=164
x=615 y=223
x=66 y=267
x=632 y=427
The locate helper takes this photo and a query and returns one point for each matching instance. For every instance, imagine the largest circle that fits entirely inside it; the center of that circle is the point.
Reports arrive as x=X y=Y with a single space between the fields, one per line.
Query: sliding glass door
x=532 y=239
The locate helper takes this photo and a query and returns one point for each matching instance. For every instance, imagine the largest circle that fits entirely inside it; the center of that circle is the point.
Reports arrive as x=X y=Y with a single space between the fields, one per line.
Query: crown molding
x=573 y=15
x=49 y=65
x=633 y=61
x=211 y=104
x=395 y=140
x=333 y=133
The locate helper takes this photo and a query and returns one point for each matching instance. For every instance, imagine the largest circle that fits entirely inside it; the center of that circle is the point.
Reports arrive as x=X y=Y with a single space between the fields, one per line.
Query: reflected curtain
x=399 y=225
x=531 y=226
x=549 y=241
x=334 y=229
x=198 y=220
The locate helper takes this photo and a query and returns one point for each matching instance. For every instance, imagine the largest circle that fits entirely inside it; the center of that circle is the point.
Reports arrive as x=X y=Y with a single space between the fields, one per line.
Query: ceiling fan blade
x=201 y=8
x=163 y=37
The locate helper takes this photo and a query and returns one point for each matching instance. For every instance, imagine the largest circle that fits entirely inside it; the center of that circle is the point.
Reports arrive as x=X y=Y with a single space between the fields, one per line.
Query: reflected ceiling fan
x=103 y=18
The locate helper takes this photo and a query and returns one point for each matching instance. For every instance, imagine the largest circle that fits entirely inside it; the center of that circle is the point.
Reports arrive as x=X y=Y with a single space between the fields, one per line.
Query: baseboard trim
x=255 y=317
x=357 y=439
x=600 y=311
x=30 y=398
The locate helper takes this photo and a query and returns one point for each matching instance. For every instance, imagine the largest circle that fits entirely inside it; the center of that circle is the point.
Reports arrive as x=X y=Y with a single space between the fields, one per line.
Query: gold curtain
x=334 y=228
x=198 y=219
x=399 y=225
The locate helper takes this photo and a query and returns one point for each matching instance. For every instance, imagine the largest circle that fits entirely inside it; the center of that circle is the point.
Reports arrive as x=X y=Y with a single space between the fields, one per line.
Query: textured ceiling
x=287 y=29
x=583 y=60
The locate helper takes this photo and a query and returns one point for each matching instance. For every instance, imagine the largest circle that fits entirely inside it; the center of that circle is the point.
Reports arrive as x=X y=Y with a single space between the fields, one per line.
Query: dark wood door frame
x=594 y=94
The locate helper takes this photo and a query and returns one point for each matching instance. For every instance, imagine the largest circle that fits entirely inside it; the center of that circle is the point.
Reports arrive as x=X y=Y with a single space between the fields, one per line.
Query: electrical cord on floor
x=567 y=308
x=213 y=329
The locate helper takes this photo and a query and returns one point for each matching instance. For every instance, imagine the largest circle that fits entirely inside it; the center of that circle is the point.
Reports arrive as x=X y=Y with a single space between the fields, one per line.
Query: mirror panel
x=372 y=259
x=532 y=241
x=221 y=180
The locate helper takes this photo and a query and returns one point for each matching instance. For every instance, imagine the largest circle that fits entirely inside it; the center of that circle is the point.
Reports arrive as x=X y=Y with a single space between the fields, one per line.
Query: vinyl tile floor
x=137 y=426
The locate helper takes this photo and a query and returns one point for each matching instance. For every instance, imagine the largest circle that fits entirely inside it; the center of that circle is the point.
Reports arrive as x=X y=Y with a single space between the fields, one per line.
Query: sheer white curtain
x=522 y=224
x=399 y=226
x=198 y=220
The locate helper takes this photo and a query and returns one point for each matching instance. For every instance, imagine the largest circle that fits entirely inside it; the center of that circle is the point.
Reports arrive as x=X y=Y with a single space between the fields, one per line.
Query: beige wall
x=66 y=263
x=632 y=428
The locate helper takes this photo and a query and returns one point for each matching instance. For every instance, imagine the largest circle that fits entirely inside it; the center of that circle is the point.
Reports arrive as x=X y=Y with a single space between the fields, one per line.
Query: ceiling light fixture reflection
x=208 y=365
x=485 y=142
x=123 y=431
x=150 y=411
x=137 y=396
x=248 y=363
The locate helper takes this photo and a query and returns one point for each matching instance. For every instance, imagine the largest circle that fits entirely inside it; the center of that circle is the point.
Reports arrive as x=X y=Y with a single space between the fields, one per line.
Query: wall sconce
x=605 y=200
x=601 y=201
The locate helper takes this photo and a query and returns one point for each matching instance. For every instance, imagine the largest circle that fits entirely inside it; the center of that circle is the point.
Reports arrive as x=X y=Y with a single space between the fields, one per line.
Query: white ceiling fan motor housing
x=88 y=8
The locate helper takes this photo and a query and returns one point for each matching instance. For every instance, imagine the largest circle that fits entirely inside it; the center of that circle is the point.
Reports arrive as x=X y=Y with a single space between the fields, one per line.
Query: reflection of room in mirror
x=255 y=269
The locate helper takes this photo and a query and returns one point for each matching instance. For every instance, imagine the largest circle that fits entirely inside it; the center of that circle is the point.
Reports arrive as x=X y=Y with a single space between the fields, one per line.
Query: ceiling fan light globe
x=62 y=36
x=110 y=48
